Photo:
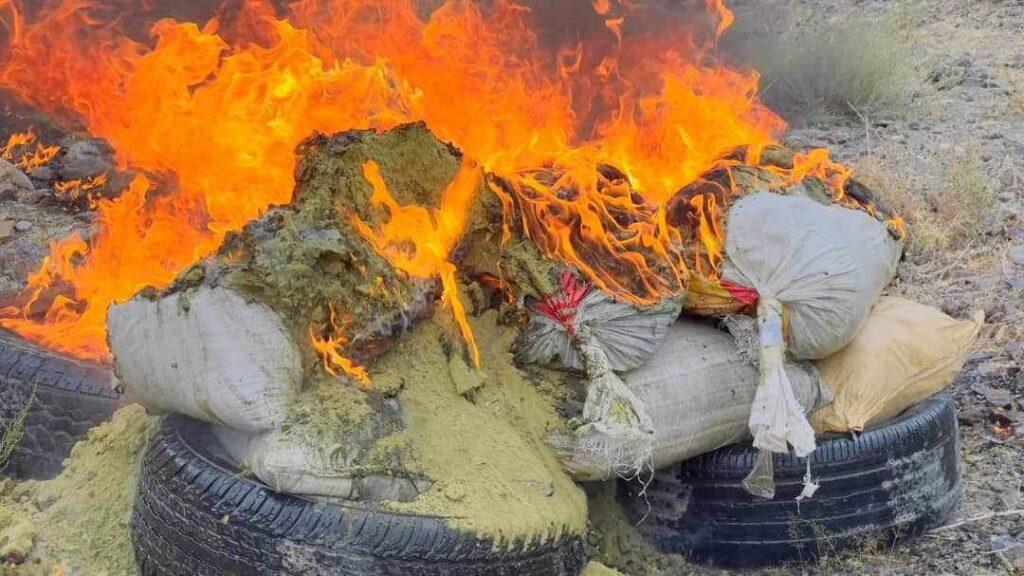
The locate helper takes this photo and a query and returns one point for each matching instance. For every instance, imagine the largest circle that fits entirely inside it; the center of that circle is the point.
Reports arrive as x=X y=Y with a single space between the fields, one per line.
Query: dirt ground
x=961 y=129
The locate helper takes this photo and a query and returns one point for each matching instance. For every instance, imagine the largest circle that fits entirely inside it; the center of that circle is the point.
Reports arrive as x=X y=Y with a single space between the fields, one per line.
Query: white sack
x=617 y=435
x=817 y=269
x=826 y=264
x=627 y=335
x=697 y=392
x=584 y=329
x=208 y=354
x=295 y=466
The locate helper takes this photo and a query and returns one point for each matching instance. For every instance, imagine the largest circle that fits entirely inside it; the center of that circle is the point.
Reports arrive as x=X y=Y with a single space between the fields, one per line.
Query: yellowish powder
x=78 y=522
x=493 y=474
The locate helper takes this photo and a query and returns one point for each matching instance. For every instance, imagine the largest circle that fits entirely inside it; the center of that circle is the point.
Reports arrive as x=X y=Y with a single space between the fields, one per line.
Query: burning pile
x=314 y=292
x=478 y=197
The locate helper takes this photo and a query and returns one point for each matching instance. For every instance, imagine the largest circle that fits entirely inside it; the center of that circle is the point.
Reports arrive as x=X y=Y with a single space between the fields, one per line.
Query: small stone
x=83 y=159
x=996 y=397
x=44 y=501
x=23 y=226
x=16 y=557
x=1012 y=551
x=44 y=174
x=1017 y=255
x=87 y=217
x=1015 y=350
x=12 y=180
x=971 y=415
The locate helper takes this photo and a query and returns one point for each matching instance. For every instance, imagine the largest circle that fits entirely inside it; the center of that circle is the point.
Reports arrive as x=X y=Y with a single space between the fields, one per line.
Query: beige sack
x=904 y=353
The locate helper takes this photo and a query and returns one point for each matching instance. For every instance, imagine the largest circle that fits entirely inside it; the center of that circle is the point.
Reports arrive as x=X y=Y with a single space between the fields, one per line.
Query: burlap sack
x=905 y=353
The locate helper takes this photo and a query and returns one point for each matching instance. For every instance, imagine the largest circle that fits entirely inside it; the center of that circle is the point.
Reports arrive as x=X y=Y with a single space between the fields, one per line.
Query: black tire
x=194 y=514
x=64 y=398
x=888 y=484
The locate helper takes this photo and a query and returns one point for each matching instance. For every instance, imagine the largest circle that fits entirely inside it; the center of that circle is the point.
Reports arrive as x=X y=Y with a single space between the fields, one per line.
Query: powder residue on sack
x=78 y=522
x=493 y=475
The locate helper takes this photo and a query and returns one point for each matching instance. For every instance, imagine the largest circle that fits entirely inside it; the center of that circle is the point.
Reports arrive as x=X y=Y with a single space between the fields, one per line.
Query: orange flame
x=72 y=189
x=724 y=15
x=30 y=159
x=418 y=241
x=329 y=349
x=212 y=114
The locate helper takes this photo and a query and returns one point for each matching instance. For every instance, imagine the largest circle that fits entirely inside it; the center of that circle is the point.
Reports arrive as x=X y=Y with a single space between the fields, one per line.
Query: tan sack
x=904 y=353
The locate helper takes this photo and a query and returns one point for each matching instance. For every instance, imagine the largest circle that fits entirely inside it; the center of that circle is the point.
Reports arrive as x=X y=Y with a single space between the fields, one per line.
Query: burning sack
x=817 y=269
x=905 y=353
x=582 y=328
x=300 y=293
x=697 y=391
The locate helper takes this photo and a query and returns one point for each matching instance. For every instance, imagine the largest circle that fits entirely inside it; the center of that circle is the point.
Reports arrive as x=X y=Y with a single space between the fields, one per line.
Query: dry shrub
x=952 y=214
x=821 y=70
x=14 y=431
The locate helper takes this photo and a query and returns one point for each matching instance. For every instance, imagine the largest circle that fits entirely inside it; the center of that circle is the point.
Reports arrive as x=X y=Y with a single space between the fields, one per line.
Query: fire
x=19 y=150
x=72 y=190
x=418 y=241
x=329 y=349
x=585 y=143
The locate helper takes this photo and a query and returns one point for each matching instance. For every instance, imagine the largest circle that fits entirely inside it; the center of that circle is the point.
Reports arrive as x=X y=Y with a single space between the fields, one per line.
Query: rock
x=83 y=159
x=1009 y=551
x=87 y=217
x=466 y=379
x=1017 y=255
x=594 y=568
x=12 y=181
x=971 y=415
x=996 y=397
x=44 y=174
x=15 y=557
x=23 y=226
x=33 y=197
x=1015 y=350
x=454 y=492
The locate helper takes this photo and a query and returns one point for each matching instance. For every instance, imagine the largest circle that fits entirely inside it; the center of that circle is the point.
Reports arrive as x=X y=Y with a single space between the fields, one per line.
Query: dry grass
x=14 y=431
x=813 y=72
x=952 y=214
